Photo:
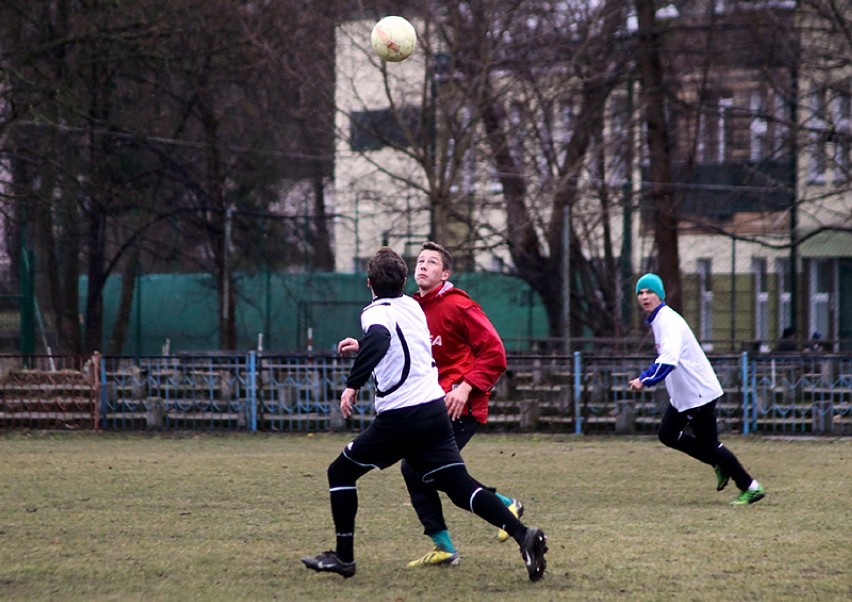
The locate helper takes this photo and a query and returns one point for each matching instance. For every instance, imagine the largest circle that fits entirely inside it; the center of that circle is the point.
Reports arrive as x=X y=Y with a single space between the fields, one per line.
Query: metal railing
x=582 y=394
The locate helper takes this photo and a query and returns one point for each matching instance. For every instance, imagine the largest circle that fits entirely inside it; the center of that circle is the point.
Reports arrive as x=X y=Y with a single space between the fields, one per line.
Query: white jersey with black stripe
x=407 y=374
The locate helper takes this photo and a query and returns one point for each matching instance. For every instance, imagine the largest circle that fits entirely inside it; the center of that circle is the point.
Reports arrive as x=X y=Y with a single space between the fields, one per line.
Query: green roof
x=831 y=243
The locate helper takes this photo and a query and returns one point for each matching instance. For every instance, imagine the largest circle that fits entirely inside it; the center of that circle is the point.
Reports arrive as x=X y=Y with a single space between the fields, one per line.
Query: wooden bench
x=48 y=399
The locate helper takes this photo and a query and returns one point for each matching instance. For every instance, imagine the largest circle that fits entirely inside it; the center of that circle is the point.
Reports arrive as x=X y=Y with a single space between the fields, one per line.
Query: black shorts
x=421 y=434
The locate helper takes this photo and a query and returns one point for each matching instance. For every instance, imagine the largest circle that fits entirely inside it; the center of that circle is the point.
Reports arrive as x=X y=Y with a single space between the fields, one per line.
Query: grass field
x=106 y=517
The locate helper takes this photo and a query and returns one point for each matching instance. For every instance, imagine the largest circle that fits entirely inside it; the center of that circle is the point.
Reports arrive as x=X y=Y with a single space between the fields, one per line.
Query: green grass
x=106 y=517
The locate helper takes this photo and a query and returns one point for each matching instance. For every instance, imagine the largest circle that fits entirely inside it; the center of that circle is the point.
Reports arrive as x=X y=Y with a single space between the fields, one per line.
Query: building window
x=761 y=300
x=759 y=130
x=621 y=143
x=780 y=128
x=461 y=169
x=374 y=130
x=705 y=302
x=768 y=130
x=726 y=107
x=840 y=108
x=820 y=285
x=830 y=137
x=714 y=132
x=820 y=133
x=785 y=294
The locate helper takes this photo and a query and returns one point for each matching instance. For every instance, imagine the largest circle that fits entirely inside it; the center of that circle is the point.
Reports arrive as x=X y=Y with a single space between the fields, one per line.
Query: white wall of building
x=378 y=192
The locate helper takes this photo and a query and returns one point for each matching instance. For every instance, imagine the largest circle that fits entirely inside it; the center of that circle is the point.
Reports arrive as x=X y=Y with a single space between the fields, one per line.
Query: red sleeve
x=489 y=354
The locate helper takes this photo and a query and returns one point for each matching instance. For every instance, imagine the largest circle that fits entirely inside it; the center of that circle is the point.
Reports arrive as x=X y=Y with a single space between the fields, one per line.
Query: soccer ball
x=393 y=39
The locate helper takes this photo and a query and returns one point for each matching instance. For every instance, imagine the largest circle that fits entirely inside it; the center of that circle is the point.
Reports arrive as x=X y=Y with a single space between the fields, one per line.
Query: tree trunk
x=97 y=279
x=129 y=275
x=323 y=255
x=661 y=193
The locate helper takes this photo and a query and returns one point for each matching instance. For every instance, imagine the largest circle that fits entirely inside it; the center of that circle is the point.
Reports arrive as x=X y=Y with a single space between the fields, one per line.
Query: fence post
x=27 y=303
x=578 y=390
x=529 y=415
x=252 y=392
x=746 y=391
x=97 y=394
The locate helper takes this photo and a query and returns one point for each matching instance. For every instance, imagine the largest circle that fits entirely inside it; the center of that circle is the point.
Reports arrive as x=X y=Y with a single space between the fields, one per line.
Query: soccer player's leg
x=343 y=474
x=725 y=463
x=427 y=504
x=466 y=493
x=464 y=429
x=371 y=449
x=699 y=443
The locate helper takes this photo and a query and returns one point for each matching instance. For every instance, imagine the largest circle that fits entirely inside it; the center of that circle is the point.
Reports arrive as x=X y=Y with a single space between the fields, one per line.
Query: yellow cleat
x=516 y=508
x=436 y=558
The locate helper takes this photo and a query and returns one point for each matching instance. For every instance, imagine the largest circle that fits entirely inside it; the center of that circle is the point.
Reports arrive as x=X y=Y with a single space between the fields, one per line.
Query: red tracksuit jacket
x=465 y=345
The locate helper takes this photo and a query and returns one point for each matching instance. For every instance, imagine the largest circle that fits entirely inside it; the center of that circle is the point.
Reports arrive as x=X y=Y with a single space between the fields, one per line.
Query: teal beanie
x=653 y=283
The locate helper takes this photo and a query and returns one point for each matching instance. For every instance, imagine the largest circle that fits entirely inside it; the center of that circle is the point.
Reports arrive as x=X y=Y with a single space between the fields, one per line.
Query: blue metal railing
x=252 y=392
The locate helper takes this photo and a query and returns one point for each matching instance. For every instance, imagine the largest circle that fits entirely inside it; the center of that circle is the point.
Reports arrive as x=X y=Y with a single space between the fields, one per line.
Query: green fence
x=291 y=312
x=18 y=312
x=10 y=323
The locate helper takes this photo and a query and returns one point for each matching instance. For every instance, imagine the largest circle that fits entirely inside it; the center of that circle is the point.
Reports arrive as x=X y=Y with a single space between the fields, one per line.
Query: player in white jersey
x=411 y=423
x=693 y=389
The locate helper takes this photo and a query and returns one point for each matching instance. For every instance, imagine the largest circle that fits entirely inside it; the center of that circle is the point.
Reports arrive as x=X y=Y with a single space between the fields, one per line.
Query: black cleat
x=532 y=551
x=328 y=562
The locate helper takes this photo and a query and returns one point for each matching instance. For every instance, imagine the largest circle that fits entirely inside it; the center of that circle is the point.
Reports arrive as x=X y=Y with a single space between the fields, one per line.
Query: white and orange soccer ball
x=393 y=39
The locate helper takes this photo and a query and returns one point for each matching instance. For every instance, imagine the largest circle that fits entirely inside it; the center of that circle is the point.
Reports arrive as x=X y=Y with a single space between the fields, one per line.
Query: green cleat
x=436 y=557
x=750 y=496
x=721 y=478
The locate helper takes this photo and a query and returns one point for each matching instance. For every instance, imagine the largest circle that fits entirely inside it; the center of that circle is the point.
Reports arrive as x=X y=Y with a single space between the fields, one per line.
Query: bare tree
x=138 y=134
x=529 y=109
x=513 y=99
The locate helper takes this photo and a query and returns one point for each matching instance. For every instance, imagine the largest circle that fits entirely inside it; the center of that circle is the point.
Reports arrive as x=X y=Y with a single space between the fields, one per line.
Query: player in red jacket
x=470 y=358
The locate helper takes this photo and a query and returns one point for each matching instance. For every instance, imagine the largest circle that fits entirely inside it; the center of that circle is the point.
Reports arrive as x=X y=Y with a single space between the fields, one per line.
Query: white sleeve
x=670 y=337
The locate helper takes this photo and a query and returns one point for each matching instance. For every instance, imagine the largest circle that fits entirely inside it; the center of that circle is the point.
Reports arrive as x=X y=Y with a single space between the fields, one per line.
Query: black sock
x=488 y=506
x=344 y=507
x=345 y=547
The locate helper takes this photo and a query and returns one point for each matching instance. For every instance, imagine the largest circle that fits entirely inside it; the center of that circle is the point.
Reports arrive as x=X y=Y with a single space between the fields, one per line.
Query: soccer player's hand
x=456 y=400
x=347 y=401
x=347 y=346
x=636 y=385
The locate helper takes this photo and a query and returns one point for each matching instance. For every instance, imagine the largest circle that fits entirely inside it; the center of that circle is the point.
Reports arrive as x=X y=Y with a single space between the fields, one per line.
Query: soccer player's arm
x=655 y=373
x=670 y=346
x=371 y=349
x=488 y=350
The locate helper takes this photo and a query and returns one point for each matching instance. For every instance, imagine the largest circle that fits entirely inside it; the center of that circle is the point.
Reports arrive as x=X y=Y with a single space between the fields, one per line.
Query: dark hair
x=446 y=258
x=386 y=272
